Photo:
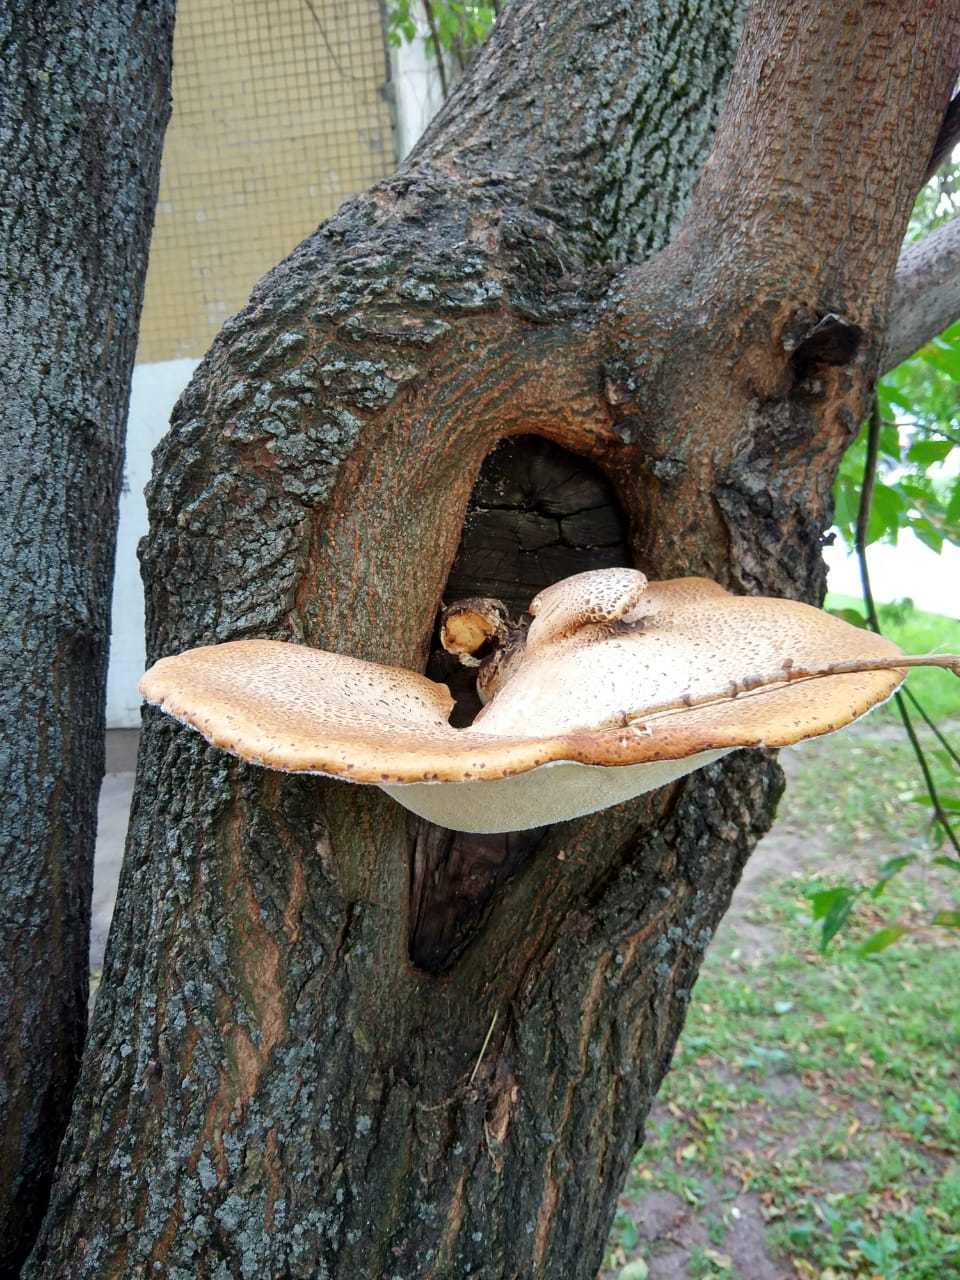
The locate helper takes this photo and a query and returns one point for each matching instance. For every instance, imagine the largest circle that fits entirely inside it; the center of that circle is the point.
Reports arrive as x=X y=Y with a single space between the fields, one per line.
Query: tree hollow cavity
x=536 y=514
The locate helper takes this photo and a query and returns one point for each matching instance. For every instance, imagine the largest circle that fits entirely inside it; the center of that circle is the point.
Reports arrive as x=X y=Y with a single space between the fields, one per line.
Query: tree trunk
x=85 y=93
x=331 y=1040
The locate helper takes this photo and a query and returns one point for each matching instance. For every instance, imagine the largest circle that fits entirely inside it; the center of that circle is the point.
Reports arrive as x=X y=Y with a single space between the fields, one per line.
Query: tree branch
x=926 y=293
x=802 y=233
x=437 y=49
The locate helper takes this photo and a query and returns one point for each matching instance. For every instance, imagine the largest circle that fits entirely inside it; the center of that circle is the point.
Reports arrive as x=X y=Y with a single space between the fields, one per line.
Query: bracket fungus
x=620 y=687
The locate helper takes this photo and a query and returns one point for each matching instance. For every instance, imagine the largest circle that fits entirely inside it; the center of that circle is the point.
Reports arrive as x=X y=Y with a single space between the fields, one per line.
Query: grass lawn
x=810 y=1126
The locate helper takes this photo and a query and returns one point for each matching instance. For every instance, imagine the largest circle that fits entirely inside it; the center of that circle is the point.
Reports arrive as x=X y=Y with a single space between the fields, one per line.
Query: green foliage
x=918 y=478
x=636 y=1270
x=915 y=473
x=866 y=774
x=938 y=202
x=873 y=795
x=459 y=26
x=832 y=907
x=918 y=474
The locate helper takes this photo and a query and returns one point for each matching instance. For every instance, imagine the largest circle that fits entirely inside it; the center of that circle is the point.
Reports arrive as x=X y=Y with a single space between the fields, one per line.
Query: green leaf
x=948 y=802
x=833 y=907
x=944 y=861
x=400 y=23
x=853 y=616
x=885 y=511
x=627 y=1230
x=846 y=502
x=945 y=357
x=928 y=534
x=925 y=452
x=882 y=939
x=889 y=869
x=824 y=900
x=888 y=440
x=893 y=866
x=950 y=919
x=891 y=395
x=635 y=1270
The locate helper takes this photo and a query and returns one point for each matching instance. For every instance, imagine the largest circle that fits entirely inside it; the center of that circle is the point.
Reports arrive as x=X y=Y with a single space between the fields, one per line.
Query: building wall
x=281 y=111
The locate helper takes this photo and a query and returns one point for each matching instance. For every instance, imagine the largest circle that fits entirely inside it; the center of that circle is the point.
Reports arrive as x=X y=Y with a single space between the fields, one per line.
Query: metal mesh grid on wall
x=279 y=114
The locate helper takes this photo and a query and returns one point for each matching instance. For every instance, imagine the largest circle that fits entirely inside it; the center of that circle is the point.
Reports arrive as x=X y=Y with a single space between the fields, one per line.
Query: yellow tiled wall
x=279 y=114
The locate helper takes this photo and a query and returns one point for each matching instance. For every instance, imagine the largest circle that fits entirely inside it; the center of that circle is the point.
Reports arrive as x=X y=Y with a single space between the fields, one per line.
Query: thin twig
x=457 y=46
x=483 y=1047
x=437 y=48
x=863 y=513
x=932 y=725
x=347 y=75
x=936 y=431
x=789 y=673
x=925 y=769
x=863 y=521
x=947 y=138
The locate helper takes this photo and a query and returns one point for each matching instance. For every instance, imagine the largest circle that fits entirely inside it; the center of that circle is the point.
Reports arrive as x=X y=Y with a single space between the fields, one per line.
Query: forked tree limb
x=774 y=245
x=278 y=999
x=926 y=293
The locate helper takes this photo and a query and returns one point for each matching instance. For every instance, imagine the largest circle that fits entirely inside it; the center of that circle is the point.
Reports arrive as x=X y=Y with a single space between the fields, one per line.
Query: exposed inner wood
x=537 y=514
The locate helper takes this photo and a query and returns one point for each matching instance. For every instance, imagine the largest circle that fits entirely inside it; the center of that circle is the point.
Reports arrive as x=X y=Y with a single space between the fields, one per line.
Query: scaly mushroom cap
x=627 y=686
x=598 y=596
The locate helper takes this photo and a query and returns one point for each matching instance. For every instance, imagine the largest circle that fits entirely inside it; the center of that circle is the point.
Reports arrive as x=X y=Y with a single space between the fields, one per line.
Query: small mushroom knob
x=473 y=628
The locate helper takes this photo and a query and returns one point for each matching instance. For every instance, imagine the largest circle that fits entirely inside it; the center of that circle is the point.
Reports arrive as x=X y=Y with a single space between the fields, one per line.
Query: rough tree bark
x=85 y=92
x=285 y=1076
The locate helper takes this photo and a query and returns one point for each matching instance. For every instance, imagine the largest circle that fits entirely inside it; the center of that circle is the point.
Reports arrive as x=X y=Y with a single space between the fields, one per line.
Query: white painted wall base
x=152 y=396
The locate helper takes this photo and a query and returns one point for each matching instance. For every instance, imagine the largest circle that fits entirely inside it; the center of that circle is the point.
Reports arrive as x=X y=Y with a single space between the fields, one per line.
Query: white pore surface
x=551 y=793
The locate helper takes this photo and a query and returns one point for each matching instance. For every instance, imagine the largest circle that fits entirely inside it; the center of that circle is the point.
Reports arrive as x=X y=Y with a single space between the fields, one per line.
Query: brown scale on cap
x=589 y=714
